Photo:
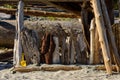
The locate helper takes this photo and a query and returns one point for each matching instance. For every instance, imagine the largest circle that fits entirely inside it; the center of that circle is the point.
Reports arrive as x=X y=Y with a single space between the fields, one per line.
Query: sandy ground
x=87 y=73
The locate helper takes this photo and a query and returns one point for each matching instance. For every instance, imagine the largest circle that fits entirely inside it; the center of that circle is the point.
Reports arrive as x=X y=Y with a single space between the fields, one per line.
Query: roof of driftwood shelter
x=68 y=6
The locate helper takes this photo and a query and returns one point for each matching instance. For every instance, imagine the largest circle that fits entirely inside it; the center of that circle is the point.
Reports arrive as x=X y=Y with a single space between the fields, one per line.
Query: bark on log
x=102 y=35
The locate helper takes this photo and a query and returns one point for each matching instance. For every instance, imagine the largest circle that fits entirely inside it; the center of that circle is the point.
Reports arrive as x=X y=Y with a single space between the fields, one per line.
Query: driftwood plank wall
x=69 y=46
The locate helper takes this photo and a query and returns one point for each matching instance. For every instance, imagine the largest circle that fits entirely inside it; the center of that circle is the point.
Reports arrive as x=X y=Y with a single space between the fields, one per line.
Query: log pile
x=66 y=45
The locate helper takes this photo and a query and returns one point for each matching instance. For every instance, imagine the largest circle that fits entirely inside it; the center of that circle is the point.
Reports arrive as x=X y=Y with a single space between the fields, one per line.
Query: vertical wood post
x=110 y=33
x=92 y=40
x=56 y=54
x=19 y=27
x=102 y=34
x=72 y=56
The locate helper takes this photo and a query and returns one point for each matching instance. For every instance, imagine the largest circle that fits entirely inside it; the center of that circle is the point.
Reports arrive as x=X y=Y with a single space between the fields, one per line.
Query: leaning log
x=110 y=35
x=102 y=35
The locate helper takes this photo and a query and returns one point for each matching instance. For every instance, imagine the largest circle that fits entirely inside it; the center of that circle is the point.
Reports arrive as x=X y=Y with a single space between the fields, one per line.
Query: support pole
x=102 y=35
x=17 y=40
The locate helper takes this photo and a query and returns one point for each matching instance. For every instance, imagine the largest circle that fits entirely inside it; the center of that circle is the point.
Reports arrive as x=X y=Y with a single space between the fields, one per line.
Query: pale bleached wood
x=56 y=53
x=102 y=34
x=92 y=40
x=110 y=34
x=19 y=27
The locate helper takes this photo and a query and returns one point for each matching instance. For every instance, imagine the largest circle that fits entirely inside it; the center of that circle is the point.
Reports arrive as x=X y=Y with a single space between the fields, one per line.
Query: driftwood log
x=110 y=35
x=47 y=47
x=47 y=68
x=30 y=46
x=102 y=35
x=17 y=40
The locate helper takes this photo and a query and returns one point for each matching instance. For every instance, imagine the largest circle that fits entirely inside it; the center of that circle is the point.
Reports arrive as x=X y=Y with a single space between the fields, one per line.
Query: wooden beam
x=102 y=34
x=40 y=13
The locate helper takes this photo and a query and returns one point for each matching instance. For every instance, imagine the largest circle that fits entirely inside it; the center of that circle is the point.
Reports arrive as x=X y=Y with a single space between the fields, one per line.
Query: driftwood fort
x=97 y=42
